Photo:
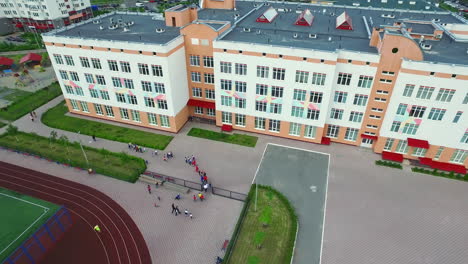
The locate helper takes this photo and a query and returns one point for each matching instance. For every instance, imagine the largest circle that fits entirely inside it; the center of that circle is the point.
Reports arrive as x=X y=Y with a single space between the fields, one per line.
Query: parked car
x=139 y=4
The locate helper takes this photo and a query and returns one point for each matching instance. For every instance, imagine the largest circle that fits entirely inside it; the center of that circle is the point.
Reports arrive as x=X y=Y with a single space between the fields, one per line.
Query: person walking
x=173 y=208
x=196 y=169
x=202 y=197
x=94 y=138
x=155 y=152
x=97 y=228
x=191 y=216
x=205 y=187
x=194 y=198
x=186 y=212
x=149 y=189
x=205 y=179
x=32 y=118
x=34 y=114
x=177 y=210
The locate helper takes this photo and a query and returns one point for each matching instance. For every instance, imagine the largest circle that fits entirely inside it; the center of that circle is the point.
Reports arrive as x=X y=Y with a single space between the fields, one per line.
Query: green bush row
x=435 y=172
x=389 y=164
x=238 y=139
x=6 y=46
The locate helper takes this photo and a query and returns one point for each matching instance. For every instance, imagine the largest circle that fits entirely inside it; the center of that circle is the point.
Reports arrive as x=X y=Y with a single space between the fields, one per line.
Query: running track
x=120 y=238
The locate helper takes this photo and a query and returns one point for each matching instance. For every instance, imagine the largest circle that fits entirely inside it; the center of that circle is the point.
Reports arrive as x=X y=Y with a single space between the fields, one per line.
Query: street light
x=84 y=153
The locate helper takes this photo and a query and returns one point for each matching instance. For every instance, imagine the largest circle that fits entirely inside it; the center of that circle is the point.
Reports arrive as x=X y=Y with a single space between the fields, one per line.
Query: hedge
x=435 y=172
x=388 y=164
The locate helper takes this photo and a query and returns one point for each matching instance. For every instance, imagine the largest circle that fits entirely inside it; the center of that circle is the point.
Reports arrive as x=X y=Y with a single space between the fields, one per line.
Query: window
x=372 y=126
x=241 y=69
x=351 y=134
x=240 y=120
x=125 y=66
x=260 y=106
x=204 y=42
x=340 y=97
x=210 y=94
x=402 y=147
x=344 y=78
x=459 y=156
x=113 y=65
x=109 y=111
x=439 y=153
x=417 y=111
x=69 y=89
x=465 y=101
x=318 y=78
x=313 y=114
x=63 y=75
x=194 y=60
x=157 y=70
x=410 y=129
x=401 y=109
x=388 y=73
x=262 y=71
x=297 y=111
x=389 y=144
x=159 y=88
x=209 y=78
x=84 y=106
x=104 y=95
x=226 y=118
x=395 y=126
x=128 y=84
x=299 y=95
x=89 y=78
x=277 y=91
x=380 y=110
x=310 y=131
x=226 y=85
x=464 y=138
x=262 y=89
x=196 y=77
x=226 y=100
x=278 y=74
x=425 y=92
x=315 y=97
x=382 y=92
x=94 y=93
x=295 y=129
x=162 y=104
x=241 y=87
x=365 y=81
x=260 y=123
x=374 y=116
x=302 y=76
x=378 y=99
x=136 y=116
x=336 y=113
x=419 y=152
x=149 y=102
x=332 y=131
x=124 y=113
x=164 y=120
x=360 y=99
x=58 y=59
x=457 y=116
x=69 y=60
x=409 y=88
x=274 y=125
x=199 y=110
x=152 y=119
x=208 y=62
x=196 y=92
x=143 y=68
x=146 y=86
x=356 y=116
x=74 y=76
x=276 y=108
x=120 y=98
x=74 y=105
x=436 y=114
x=385 y=81
x=84 y=62
x=240 y=102
x=96 y=63
x=225 y=67
x=445 y=95
x=210 y=112
x=131 y=99
x=100 y=80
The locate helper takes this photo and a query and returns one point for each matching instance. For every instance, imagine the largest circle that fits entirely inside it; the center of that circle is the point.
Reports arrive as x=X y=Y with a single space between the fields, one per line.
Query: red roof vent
x=305 y=18
x=344 y=22
x=268 y=16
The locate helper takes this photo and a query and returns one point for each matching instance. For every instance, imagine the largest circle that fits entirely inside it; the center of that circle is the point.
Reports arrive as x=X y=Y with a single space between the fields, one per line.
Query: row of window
x=208 y=61
x=425 y=92
x=125 y=114
x=197 y=92
x=418 y=112
x=209 y=111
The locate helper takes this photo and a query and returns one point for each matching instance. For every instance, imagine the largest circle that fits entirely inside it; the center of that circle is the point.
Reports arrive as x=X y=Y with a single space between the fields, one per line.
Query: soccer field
x=20 y=217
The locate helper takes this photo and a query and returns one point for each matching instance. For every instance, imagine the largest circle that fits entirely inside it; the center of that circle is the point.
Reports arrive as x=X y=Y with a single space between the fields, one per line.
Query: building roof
x=344 y=21
x=268 y=16
x=4 y=61
x=31 y=57
x=305 y=18
x=420 y=28
x=389 y=4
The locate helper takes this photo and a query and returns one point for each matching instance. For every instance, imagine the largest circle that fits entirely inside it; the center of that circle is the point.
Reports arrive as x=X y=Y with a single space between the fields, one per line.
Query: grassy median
x=239 y=139
x=55 y=117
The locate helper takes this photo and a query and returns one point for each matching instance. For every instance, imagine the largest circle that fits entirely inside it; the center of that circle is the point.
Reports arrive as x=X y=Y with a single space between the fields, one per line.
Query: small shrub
x=388 y=164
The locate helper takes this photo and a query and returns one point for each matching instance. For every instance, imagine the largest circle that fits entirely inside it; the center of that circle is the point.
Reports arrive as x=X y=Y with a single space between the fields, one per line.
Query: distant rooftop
x=389 y=4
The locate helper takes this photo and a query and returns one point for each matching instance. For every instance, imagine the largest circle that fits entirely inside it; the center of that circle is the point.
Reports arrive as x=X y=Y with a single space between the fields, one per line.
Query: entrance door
x=367 y=143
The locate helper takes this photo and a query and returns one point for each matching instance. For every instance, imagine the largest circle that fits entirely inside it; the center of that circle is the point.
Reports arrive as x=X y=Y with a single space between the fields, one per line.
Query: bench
x=149 y=179
x=225 y=245
x=175 y=187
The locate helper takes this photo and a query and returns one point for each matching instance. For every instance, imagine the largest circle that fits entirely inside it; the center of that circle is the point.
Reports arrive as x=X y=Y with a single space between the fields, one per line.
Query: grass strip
x=55 y=117
x=116 y=165
x=30 y=102
x=238 y=139
x=435 y=172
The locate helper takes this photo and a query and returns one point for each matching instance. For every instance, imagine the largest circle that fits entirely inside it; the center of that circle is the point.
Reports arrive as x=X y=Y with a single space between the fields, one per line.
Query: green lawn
x=239 y=139
x=117 y=165
x=18 y=216
x=30 y=102
x=2 y=124
x=56 y=118
x=272 y=243
x=14 y=94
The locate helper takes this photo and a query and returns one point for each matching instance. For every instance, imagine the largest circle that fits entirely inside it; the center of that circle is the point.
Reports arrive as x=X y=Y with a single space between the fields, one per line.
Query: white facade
x=41 y=9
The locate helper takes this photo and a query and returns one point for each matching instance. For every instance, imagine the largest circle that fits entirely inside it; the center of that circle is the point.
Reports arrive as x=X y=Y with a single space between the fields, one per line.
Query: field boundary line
x=24 y=200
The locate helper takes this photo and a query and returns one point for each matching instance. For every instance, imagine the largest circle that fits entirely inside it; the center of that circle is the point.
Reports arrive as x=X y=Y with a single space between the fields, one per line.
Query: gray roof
x=242 y=8
x=420 y=28
x=391 y=4
x=143 y=30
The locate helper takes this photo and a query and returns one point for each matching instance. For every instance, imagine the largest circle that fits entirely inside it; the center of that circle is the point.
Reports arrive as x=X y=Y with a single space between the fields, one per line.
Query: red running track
x=120 y=240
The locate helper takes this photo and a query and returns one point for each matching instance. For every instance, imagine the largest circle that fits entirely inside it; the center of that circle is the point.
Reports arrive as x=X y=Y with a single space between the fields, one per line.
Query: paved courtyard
x=374 y=214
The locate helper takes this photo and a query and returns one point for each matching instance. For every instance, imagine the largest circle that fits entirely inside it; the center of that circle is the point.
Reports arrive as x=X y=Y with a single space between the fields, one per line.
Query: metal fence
x=229 y=194
x=35 y=247
x=174 y=180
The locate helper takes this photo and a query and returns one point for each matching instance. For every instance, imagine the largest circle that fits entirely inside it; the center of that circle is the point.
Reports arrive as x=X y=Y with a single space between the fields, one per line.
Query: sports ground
x=21 y=216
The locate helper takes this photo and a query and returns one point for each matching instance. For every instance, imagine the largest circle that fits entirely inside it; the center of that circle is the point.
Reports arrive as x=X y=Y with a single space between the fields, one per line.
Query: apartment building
x=43 y=15
x=368 y=77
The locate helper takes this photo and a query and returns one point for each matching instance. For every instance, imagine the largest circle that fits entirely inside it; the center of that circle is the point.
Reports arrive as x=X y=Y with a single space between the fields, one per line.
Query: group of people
x=32 y=115
x=175 y=209
x=200 y=196
x=168 y=155
x=136 y=148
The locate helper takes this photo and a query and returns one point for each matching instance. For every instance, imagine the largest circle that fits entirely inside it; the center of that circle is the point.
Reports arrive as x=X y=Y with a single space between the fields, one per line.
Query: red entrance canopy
x=448 y=167
x=325 y=141
x=31 y=57
x=392 y=156
x=6 y=61
x=369 y=137
x=227 y=128
x=417 y=143
x=425 y=161
x=200 y=103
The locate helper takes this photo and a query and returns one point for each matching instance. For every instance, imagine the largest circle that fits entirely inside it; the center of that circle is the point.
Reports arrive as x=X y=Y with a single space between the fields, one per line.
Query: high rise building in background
x=43 y=15
x=392 y=80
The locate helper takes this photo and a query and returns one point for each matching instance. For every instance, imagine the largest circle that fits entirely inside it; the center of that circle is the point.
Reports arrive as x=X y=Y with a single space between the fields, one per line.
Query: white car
x=139 y=4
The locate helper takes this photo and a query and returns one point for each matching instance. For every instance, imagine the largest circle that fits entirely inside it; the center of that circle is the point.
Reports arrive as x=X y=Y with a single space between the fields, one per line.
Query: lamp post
x=84 y=153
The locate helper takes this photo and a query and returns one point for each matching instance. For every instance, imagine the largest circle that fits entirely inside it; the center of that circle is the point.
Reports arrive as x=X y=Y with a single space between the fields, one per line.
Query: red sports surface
x=119 y=242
